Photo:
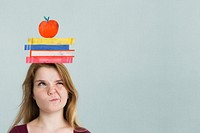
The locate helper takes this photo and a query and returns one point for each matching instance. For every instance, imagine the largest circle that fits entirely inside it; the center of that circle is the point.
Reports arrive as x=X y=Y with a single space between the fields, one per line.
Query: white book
x=51 y=53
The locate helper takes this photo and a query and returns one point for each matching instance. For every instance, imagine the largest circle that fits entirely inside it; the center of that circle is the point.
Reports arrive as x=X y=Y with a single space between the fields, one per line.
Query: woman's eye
x=42 y=84
x=59 y=83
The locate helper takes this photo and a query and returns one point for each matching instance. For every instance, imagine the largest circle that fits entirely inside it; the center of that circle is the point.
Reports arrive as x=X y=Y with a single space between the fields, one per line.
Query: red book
x=49 y=59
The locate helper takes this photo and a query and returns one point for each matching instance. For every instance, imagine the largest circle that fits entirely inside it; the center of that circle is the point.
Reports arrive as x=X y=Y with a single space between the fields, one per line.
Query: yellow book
x=52 y=41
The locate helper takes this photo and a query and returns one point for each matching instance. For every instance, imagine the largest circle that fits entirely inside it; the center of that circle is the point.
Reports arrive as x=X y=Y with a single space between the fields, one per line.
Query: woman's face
x=49 y=91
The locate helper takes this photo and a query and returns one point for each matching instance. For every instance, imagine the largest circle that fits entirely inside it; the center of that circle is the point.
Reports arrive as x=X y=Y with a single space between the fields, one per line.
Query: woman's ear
x=69 y=95
x=33 y=97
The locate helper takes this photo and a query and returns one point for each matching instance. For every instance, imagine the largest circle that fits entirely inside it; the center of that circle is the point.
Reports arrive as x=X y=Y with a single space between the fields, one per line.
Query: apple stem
x=47 y=19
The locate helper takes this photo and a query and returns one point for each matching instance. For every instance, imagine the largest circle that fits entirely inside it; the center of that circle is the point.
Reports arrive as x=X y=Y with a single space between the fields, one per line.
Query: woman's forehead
x=47 y=73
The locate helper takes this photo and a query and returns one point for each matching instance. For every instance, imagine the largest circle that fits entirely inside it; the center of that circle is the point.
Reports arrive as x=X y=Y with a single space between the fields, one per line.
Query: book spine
x=51 y=59
x=46 y=47
x=51 y=53
x=53 y=41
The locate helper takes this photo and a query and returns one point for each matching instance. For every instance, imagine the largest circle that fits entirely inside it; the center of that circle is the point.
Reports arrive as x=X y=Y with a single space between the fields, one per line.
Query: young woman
x=49 y=102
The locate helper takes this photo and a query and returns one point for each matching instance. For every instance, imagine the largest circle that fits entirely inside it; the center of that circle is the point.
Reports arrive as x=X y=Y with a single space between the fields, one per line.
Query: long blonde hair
x=29 y=109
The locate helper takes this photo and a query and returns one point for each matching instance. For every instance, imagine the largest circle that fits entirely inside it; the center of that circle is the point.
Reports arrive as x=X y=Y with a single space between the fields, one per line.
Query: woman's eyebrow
x=59 y=80
x=39 y=80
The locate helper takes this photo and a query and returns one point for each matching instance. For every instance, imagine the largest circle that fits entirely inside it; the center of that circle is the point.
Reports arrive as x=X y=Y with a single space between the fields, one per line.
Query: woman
x=49 y=102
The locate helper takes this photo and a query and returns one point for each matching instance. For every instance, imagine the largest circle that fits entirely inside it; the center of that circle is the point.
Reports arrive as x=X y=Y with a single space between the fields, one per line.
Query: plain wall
x=136 y=66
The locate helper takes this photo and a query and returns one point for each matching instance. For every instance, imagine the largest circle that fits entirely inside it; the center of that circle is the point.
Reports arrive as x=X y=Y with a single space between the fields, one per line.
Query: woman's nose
x=51 y=90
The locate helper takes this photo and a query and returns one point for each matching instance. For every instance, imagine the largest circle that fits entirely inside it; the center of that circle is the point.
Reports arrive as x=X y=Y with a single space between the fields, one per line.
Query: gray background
x=137 y=64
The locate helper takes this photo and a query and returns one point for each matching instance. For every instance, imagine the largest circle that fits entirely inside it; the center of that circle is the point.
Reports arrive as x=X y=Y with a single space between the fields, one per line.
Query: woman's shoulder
x=23 y=129
x=81 y=130
x=19 y=129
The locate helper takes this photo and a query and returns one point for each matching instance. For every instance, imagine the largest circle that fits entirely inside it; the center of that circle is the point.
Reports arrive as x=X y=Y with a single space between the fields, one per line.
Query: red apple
x=48 y=28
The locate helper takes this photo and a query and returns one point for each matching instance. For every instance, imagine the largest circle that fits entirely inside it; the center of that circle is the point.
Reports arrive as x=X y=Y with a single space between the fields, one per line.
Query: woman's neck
x=51 y=121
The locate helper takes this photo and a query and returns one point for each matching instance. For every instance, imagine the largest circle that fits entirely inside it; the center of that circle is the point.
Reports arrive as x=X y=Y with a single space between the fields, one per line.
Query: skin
x=51 y=97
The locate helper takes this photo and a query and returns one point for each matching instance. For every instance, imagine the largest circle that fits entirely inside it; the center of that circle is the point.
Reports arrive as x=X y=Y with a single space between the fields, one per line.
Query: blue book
x=46 y=47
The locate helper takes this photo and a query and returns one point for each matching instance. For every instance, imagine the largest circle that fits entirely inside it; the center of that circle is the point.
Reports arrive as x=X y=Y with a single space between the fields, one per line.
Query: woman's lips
x=53 y=100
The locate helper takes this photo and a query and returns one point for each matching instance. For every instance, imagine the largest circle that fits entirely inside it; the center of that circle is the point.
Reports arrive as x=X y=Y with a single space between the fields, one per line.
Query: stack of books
x=49 y=50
